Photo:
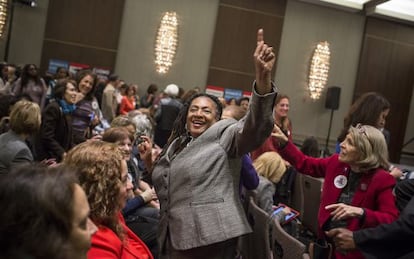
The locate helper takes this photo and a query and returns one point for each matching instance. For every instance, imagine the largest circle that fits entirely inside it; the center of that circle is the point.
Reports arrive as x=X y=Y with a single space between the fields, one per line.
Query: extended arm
x=385 y=241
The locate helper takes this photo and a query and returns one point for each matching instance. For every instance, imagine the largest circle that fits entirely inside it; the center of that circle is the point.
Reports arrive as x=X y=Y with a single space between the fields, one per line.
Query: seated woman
x=47 y=214
x=103 y=174
x=24 y=122
x=135 y=162
x=140 y=217
x=270 y=167
x=357 y=191
x=55 y=136
x=369 y=109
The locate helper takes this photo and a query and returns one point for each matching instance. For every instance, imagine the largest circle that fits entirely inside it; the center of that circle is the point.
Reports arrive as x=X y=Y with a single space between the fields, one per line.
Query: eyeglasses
x=361 y=129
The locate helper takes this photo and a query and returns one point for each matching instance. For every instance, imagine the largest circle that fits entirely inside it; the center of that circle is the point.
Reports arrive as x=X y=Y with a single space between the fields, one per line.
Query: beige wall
x=304 y=26
x=135 y=61
x=27 y=34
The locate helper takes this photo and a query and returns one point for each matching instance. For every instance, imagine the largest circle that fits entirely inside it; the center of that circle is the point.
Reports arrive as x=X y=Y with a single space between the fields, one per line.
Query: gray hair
x=372 y=147
x=142 y=124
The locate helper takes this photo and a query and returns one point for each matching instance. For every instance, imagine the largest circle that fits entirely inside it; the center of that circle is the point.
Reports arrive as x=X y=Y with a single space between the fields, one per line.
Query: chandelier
x=319 y=69
x=166 y=42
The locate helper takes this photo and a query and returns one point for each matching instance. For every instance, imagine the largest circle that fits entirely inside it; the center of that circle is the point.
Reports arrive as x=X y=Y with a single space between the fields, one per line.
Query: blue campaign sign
x=232 y=93
x=55 y=63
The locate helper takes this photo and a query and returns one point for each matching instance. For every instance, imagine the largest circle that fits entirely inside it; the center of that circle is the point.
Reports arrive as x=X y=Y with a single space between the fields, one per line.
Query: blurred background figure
x=55 y=137
x=25 y=121
x=31 y=84
x=61 y=73
x=310 y=147
x=147 y=100
x=369 y=109
x=166 y=113
x=47 y=214
x=110 y=98
x=232 y=101
x=280 y=115
x=128 y=101
x=88 y=120
x=244 y=103
x=222 y=101
x=8 y=77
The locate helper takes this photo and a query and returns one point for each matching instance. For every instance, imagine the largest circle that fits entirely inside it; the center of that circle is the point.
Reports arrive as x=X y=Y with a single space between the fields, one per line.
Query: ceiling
x=397 y=10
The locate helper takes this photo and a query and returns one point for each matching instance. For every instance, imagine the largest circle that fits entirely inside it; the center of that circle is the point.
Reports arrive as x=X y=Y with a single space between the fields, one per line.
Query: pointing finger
x=259 y=36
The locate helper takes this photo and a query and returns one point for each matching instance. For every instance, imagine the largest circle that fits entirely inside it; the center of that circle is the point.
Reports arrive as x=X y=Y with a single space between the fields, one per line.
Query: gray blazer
x=198 y=189
x=13 y=151
x=265 y=191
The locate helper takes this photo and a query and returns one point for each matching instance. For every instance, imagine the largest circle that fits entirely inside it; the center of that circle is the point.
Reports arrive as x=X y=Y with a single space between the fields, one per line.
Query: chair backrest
x=283 y=245
x=312 y=188
x=256 y=245
x=297 y=194
x=247 y=195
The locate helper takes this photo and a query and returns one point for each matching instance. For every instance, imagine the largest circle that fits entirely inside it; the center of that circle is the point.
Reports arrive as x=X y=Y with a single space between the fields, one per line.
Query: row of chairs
x=306 y=196
x=269 y=240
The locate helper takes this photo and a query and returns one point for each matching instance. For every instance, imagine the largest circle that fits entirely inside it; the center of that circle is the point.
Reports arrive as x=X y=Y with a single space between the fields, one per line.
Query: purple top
x=248 y=175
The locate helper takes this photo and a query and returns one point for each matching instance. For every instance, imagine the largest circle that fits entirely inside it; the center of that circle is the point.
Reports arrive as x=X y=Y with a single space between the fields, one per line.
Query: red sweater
x=126 y=105
x=106 y=244
x=270 y=144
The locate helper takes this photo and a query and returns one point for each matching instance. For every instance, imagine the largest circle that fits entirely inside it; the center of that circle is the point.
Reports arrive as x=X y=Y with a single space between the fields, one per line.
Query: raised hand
x=278 y=133
x=264 y=59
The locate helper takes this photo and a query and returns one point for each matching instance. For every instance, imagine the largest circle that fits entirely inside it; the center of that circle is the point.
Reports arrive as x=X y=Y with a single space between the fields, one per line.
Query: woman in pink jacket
x=357 y=191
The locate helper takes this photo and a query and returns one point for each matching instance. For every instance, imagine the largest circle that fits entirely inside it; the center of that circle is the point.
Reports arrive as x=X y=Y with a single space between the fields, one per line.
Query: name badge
x=340 y=181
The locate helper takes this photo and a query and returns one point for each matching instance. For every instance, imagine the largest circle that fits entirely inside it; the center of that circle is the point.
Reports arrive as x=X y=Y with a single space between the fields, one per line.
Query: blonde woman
x=25 y=120
x=270 y=168
x=357 y=191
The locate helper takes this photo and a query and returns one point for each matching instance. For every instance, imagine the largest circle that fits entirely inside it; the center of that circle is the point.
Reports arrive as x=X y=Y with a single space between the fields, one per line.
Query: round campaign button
x=340 y=181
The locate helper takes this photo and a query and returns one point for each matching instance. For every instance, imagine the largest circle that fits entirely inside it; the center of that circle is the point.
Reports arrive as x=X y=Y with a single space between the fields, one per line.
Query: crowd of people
x=89 y=169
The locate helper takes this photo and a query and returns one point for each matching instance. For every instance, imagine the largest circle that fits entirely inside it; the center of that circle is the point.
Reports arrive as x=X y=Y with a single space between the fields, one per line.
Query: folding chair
x=283 y=245
x=297 y=194
x=256 y=245
x=312 y=188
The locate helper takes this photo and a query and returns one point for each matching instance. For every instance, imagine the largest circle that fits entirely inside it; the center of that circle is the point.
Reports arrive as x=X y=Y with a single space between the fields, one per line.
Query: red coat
x=270 y=144
x=106 y=244
x=374 y=192
x=126 y=105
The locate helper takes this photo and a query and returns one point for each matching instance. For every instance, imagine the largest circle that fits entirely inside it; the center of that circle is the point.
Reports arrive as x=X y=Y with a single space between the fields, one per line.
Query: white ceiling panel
x=401 y=10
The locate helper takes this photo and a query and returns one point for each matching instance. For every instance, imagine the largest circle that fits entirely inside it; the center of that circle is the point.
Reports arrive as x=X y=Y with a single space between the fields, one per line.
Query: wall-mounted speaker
x=332 y=98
